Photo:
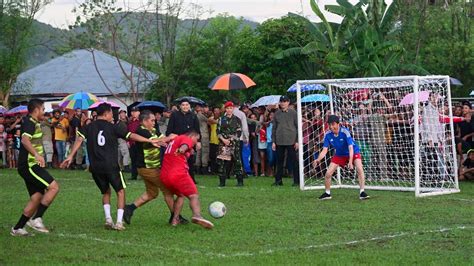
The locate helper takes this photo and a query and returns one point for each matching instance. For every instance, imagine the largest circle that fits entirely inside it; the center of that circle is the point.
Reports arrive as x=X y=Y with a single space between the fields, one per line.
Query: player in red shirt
x=175 y=177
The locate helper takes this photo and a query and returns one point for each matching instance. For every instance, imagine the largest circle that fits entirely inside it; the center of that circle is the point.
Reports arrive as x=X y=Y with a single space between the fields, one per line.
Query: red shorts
x=343 y=160
x=179 y=184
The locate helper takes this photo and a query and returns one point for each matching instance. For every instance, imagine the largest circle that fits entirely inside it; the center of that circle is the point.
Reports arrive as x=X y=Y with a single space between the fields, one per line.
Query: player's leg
x=177 y=207
x=327 y=181
x=150 y=178
x=361 y=175
x=28 y=212
x=117 y=181
x=103 y=185
x=47 y=186
x=196 y=209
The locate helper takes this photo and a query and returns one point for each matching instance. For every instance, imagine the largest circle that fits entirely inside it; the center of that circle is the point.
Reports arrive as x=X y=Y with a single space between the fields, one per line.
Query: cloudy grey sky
x=59 y=13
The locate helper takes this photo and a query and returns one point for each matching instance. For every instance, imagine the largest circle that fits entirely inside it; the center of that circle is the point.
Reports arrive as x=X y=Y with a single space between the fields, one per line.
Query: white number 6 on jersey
x=101 y=138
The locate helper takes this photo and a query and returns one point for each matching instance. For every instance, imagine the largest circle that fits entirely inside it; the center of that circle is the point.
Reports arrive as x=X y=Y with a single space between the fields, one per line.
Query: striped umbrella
x=96 y=104
x=231 y=81
x=19 y=110
x=2 y=109
x=82 y=100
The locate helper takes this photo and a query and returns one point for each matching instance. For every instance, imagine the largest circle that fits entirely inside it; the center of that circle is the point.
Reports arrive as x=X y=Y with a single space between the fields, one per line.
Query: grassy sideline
x=264 y=225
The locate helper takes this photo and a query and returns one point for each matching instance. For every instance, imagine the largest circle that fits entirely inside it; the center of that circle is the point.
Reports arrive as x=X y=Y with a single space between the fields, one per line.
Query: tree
x=16 y=18
x=117 y=30
x=439 y=37
x=172 y=31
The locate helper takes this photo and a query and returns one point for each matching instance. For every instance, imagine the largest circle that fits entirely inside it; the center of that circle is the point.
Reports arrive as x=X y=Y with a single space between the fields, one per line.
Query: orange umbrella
x=231 y=81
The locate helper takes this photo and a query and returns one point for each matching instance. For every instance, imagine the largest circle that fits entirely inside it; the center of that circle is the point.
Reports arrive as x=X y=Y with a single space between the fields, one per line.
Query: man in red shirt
x=175 y=177
x=132 y=126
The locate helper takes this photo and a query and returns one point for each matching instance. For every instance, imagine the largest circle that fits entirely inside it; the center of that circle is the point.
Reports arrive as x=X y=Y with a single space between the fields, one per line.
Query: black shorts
x=37 y=179
x=103 y=180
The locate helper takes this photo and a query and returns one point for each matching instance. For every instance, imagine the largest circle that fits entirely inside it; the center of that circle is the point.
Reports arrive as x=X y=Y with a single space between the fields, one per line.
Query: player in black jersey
x=102 y=147
x=40 y=184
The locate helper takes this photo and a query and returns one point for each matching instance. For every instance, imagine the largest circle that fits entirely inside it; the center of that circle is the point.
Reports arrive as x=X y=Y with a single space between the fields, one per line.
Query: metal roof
x=75 y=71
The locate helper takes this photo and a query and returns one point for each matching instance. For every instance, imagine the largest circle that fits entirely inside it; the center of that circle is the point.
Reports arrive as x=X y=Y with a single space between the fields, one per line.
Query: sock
x=107 y=212
x=41 y=209
x=21 y=223
x=361 y=190
x=119 y=215
x=132 y=206
x=328 y=191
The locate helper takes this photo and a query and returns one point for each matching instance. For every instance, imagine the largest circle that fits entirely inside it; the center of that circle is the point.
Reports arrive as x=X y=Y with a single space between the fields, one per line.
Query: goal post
x=403 y=127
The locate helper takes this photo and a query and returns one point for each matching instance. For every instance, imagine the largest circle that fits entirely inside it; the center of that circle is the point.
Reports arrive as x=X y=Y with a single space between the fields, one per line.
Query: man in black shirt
x=40 y=184
x=182 y=122
x=102 y=148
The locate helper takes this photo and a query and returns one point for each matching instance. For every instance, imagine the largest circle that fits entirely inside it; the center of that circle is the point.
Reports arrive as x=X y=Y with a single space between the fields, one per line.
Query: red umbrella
x=231 y=81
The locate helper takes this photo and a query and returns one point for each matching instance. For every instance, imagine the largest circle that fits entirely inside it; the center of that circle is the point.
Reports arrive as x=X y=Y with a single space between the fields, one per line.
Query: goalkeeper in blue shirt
x=347 y=153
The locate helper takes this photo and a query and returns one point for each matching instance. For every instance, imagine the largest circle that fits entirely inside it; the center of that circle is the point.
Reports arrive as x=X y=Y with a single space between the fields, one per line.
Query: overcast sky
x=59 y=13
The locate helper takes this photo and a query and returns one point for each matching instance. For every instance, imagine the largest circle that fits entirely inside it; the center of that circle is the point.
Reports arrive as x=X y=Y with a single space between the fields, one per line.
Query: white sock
x=119 y=215
x=361 y=190
x=328 y=191
x=107 y=212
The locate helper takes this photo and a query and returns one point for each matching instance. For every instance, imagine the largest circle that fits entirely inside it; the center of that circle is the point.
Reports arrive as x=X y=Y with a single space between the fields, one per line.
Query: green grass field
x=264 y=225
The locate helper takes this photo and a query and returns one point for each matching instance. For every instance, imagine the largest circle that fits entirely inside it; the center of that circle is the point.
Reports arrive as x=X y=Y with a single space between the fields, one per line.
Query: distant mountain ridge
x=49 y=42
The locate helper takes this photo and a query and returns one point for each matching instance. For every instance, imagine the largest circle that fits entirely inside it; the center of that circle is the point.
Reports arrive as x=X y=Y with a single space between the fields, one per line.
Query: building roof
x=75 y=72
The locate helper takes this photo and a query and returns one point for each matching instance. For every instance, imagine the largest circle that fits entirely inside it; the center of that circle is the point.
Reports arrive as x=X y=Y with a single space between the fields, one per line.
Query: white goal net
x=402 y=125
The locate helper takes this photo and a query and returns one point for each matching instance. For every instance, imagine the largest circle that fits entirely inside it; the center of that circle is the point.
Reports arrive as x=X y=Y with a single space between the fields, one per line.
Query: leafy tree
x=16 y=18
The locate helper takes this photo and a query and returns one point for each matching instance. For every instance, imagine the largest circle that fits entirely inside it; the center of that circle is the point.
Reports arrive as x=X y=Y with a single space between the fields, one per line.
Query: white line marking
x=264 y=252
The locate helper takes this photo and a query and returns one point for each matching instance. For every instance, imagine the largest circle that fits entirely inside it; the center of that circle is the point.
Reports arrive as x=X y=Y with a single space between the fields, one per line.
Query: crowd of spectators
x=268 y=138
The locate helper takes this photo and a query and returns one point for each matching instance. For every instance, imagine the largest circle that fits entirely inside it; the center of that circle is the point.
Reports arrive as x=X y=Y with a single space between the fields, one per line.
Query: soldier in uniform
x=229 y=130
x=202 y=156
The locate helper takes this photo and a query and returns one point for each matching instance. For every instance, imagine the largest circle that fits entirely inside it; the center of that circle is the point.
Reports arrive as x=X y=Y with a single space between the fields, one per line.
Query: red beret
x=228 y=104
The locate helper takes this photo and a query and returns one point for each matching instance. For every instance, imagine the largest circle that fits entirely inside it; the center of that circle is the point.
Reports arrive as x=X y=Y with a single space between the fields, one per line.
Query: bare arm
x=322 y=154
x=75 y=147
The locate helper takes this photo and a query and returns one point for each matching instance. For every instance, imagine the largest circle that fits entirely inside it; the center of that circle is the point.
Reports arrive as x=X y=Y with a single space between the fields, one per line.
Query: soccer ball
x=217 y=209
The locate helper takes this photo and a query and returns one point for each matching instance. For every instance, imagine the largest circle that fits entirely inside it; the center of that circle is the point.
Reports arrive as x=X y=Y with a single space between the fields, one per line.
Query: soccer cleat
x=119 y=227
x=277 y=184
x=37 y=224
x=175 y=222
x=20 y=232
x=109 y=224
x=202 y=222
x=325 y=196
x=183 y=220
x=364 y=196
x=127 y=214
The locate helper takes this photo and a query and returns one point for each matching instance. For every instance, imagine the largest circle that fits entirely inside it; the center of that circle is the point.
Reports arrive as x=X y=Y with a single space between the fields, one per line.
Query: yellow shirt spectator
x=61 y=128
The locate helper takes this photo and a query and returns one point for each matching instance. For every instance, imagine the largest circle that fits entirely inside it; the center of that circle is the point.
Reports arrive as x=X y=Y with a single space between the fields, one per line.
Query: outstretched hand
x=66 y=163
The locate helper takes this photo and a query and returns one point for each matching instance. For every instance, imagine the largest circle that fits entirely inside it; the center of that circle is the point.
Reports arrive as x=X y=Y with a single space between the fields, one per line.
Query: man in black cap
x=182 y=122
x=285 y=139
x=347 y=153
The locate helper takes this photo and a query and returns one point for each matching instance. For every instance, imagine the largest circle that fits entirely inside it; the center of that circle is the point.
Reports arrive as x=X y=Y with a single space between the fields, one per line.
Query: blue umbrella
x=315 y=98
x=455 y=82
x=22 y=109
x=2 y=109
x=266 y=100
x=307 y=87
x=154 y=106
